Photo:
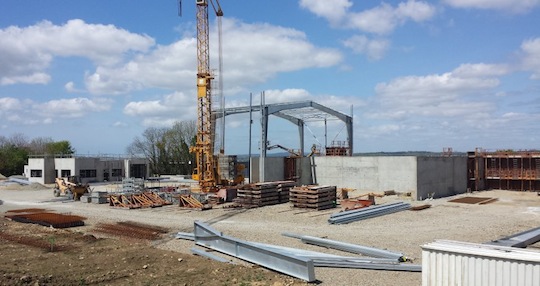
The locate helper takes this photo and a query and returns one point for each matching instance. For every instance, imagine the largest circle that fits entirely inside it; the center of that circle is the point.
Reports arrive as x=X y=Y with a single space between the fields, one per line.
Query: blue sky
x=418 y=75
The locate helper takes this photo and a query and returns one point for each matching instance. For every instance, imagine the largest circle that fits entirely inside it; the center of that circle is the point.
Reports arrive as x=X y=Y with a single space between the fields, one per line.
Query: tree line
x=15 y=150
x=167 y=148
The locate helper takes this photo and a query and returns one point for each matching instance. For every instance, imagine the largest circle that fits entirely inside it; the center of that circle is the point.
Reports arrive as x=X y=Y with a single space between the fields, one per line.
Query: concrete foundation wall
x=441 y=176
x=421 y=176
x=368 y=174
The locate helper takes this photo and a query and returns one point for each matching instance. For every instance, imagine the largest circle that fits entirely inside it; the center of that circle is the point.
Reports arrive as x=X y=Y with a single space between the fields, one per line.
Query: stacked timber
x=313 y=197
x=258 y=195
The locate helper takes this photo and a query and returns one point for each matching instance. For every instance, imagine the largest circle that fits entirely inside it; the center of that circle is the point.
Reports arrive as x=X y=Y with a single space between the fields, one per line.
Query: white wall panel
x=446 y=263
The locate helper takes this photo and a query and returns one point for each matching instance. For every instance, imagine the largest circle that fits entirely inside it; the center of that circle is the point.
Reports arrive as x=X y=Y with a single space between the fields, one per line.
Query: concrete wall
x=368 y=174
x=421 y=176
x=274 y=169
x=441 y=176
x=52 y=168
x=64 y=164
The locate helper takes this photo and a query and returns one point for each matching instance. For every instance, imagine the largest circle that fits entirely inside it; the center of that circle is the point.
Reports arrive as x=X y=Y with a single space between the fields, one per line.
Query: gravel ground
x=403 y=232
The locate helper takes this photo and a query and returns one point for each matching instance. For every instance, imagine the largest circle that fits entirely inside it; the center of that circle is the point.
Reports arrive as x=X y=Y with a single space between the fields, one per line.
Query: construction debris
x=137 y=200
x=45 y=218
x=353 y=204
x=188 y=201
x=420 y=207
x=474 y=200
x=313 y=197
x=131 y=230
x=365 y=213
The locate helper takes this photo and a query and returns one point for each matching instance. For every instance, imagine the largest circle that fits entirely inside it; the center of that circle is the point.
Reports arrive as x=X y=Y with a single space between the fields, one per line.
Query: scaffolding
x=504 y=170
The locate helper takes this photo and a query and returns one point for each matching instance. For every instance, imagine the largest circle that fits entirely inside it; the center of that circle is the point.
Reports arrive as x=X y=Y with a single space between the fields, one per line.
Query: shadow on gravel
x=225 y=216
x=217 y=219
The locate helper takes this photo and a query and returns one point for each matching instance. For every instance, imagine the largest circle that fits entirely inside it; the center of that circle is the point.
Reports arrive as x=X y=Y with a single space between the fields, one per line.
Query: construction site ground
x=86 y=256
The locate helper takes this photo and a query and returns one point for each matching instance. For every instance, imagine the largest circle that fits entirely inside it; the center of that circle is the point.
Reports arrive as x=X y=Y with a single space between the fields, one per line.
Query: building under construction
x=503 y=170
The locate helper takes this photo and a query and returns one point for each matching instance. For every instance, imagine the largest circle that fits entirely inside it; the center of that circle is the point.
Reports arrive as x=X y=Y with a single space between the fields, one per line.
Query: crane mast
x=205 y=169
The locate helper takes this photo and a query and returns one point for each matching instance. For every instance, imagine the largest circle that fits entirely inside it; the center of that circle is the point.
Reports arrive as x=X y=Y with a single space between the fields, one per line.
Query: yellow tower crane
x=205 y=170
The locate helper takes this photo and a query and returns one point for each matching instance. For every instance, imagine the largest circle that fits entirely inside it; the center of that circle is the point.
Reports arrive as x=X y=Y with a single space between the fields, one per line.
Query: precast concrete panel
x=441 y=176
x=274 y=169
x=368 y=174
x=397 y=173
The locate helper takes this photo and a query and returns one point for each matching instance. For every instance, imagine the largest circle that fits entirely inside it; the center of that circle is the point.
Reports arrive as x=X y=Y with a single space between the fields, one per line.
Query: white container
x=448 y=263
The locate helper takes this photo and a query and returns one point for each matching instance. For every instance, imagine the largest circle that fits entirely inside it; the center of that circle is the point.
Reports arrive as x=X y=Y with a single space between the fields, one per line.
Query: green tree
x=12 y=159
x=167 y=149
x=14 y=151
x=13 y=154
x=59 y=147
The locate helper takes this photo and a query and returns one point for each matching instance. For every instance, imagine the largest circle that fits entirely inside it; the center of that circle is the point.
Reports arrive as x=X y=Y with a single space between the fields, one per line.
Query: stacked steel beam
x=314 y=197
x=369 y=212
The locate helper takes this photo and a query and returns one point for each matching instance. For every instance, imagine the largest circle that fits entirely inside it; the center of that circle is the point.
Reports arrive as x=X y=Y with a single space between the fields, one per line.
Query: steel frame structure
x=296 y=112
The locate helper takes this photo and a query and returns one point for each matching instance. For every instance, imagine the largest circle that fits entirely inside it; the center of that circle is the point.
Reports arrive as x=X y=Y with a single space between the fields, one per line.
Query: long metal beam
x=302 y=268
x=348 y=247
x=369 y=212
x=521 y=240
x=336 y=261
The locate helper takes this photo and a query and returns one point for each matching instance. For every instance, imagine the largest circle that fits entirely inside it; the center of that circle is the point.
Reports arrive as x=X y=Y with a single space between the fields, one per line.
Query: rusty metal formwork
x=338 y=148
x=504 y=170
x=45 y=218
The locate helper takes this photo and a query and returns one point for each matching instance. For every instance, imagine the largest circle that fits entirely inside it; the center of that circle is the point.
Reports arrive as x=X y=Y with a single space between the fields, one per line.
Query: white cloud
x=70 y=87
x=452 y=94
x=334 y=11
x=252 y=54
x=72 y=107
x=374 y=49
x=382 y=19
x=34 y=78
x=163 y=112
x=119 y=124
x=31 y=112
x=286 y=95
x=516 y=6
x=26 y=53
x=531 y=56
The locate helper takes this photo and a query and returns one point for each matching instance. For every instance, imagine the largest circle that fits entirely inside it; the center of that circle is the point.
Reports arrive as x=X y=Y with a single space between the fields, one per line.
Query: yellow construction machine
x=70 y=187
